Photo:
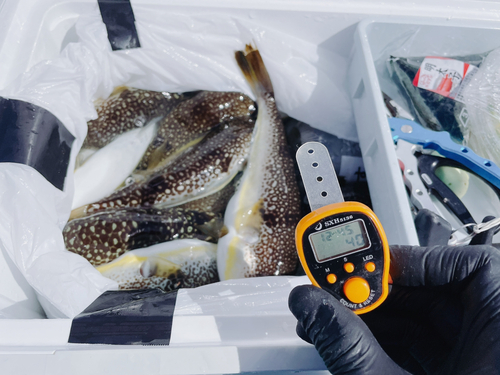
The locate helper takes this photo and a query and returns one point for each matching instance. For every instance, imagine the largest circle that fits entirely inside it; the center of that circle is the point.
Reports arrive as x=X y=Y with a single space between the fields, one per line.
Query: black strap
x=135 y=317
x=120 y=24
x=33 y=136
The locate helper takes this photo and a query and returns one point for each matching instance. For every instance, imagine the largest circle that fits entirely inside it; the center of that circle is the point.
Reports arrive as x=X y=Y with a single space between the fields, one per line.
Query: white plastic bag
x=482 y=99
x=180 y=51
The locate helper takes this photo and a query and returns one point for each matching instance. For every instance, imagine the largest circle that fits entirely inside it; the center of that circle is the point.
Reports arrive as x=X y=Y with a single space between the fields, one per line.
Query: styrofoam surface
x=36 y=30
x=213 y=332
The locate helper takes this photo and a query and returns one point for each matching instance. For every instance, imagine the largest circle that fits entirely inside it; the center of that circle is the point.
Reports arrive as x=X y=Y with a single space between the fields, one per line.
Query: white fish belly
x=108 y=167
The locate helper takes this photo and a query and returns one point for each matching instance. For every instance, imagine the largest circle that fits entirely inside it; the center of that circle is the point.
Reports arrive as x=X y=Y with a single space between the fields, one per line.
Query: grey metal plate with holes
x=317 y=171
x=419 y=195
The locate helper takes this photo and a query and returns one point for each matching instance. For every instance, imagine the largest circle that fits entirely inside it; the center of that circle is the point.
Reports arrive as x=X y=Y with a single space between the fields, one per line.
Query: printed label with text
x=444 y=76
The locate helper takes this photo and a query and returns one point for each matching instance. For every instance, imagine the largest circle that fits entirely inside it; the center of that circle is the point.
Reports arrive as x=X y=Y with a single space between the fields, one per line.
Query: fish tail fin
x=253 y=68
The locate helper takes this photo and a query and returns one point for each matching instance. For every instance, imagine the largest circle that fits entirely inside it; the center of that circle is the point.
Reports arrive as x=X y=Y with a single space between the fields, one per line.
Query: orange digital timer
x=341 y=245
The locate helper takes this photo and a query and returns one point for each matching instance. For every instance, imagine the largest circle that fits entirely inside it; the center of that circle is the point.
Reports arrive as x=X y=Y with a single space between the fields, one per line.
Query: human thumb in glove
x=442 y=316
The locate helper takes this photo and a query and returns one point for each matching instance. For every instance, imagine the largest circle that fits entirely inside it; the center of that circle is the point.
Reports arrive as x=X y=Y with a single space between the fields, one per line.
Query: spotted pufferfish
x=186 y=263
x=200 y=172
x=103 y=237
x=189 y=122
x=216 y=202
x=261 y=217
x=125 y=109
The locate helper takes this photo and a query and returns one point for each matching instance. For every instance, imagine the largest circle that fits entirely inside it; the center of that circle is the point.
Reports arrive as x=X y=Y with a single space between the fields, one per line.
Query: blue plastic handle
x=441 y=142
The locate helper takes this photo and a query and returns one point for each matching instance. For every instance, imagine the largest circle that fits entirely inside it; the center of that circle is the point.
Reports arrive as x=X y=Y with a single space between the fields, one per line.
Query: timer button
x=370 y=266
x=349 y=267
x=357 y=289
x=331 y=278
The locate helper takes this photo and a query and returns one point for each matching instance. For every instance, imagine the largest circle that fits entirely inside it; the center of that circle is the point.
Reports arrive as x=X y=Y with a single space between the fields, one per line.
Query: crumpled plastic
x=482 y=100
x=181 y=51
x=432 y=110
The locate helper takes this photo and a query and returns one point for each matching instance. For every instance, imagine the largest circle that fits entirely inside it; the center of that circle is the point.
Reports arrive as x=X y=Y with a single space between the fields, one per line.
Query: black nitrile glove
x=442 y=316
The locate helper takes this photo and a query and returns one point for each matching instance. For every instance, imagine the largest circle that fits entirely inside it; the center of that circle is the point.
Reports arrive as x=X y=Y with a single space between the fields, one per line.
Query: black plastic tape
x=120 y=24
x=129 y=317
x=33 y=136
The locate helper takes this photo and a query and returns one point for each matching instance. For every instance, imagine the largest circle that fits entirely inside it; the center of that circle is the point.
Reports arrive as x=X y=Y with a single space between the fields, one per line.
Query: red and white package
x=444 y=76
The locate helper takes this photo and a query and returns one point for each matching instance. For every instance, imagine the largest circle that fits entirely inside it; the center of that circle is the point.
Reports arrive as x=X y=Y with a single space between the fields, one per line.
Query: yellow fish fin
x=160 y=267
x=252 y=218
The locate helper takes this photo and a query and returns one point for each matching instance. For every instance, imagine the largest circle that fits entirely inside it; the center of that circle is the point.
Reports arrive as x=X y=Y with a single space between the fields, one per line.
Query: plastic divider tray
x=374 y=42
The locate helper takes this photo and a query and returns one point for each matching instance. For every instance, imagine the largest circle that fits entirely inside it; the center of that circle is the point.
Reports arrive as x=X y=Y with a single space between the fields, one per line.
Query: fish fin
x=122 y=185
x=139 y=176
x=253 y=218
x=212 y=228
x=78 y=212
x=223 y=231
x=156 y=158
x=127 y=260
x=118 y=90
x=255 y=72
x=160 y=267
x=245 y=68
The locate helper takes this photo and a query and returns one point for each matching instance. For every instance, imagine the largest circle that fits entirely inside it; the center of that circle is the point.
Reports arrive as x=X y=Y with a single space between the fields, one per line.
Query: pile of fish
x=179 y=190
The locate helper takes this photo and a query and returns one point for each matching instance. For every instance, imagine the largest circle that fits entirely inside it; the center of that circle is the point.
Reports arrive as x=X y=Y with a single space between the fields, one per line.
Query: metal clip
x=476 y=229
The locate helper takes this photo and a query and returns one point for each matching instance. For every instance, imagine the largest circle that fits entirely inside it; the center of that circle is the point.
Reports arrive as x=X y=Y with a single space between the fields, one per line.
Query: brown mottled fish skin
x=205 y=169
x=103 y=237
x=192 y=119
x=262 y=215
x=215 y=203
x=173 y=282
x=189 y=276
x=280 y=208
x=126 y=109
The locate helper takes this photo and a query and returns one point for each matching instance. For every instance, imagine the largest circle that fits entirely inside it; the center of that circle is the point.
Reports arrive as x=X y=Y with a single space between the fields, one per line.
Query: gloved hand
x=442 y=316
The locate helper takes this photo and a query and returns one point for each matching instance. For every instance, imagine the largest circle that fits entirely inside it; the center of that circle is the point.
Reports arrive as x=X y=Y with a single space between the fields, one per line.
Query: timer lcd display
x=339 y=240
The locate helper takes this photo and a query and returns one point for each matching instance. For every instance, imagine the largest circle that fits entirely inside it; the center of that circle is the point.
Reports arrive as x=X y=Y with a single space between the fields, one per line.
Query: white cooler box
x=228 y=340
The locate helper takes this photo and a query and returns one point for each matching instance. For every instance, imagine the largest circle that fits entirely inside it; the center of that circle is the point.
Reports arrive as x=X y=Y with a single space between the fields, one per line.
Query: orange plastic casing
x=339 y=208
